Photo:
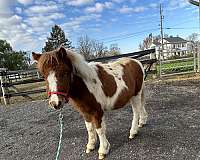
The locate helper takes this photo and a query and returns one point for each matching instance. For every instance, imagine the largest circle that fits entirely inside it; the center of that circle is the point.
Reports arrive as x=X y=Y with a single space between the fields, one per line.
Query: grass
x=176 y=66
x=27 y=87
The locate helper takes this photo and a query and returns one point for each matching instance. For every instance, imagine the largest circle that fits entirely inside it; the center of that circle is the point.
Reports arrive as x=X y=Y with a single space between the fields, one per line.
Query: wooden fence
x=11 y=79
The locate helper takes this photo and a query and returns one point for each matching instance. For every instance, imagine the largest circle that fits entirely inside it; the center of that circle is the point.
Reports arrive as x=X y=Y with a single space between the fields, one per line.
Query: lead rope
x=60 y=140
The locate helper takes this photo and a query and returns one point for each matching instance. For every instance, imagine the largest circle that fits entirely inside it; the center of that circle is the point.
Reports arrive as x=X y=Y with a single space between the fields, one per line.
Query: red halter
x=66 y=95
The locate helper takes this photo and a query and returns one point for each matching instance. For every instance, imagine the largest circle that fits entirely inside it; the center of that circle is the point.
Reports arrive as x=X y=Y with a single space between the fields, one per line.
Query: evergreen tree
x=12 y=60
x=57 y=38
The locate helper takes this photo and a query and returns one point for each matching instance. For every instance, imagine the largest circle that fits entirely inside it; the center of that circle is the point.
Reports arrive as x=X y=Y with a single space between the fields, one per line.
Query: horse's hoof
x=102 y=156
x=140 y=125
x=132 y=136
x=88 y=151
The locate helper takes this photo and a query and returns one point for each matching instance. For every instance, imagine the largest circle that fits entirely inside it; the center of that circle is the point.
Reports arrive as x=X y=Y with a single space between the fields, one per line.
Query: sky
x=26 y=24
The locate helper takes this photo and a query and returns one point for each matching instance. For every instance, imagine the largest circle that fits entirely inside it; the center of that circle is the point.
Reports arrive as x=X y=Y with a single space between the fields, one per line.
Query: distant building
x=172 y=46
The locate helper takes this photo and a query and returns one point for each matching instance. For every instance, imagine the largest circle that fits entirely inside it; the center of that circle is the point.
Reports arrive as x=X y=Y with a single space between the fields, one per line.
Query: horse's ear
x=36 y=56
x=62 y=52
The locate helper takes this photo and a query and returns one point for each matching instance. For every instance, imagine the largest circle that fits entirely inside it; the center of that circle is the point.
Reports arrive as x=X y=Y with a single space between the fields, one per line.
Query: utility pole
x=161 y=33
x=199 y=42
x=197 y=3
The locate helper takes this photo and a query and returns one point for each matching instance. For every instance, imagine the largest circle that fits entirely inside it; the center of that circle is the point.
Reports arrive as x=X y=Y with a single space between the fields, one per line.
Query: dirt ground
x=30 y=131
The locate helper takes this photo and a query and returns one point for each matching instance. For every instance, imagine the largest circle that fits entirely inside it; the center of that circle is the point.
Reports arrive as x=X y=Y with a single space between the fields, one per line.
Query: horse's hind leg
x=92 y=136
x=136 y=105
x=143 y=113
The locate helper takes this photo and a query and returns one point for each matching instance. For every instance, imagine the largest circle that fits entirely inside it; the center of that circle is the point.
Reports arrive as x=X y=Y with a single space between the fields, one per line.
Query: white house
x=172 y=46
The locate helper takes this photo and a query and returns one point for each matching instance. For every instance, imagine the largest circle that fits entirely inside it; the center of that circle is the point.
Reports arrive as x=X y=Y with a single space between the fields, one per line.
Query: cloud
x=121 y=1
x=75 y=23
x=42 y=23
x=99 y=7
x=108 y=4
x=15 y=32
x=42 y=9
x=173 y=4
x=18 y=10
x=138 y=9
x=79 y=2
x=25 y=2
x=118 y=1
x=153 y=5
x=126 y=10
x=133 y=1
x=5 y=8
x=46 y=3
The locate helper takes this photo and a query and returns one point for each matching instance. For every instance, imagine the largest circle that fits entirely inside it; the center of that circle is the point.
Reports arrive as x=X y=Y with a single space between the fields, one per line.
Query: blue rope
x=60 y=140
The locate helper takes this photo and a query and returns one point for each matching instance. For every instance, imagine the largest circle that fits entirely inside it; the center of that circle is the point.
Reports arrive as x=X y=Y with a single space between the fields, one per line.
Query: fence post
x=198 y=57
x=3 y=87
x=160 y=63
x=195 y=60
x=38 y=75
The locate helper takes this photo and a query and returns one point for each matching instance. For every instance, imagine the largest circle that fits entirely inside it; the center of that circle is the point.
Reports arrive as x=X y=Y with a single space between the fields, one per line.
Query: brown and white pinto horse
x=93 y=88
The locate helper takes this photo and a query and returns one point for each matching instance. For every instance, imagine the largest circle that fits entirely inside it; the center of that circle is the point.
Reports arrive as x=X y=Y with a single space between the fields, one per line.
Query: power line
x=182 y=28
x=128 y=34
x=131 y=35
x=142 y=22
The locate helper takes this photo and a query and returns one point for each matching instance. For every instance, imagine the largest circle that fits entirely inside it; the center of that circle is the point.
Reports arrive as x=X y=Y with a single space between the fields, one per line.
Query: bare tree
x=85 y=47
x=90 y=48
x=147 y=42
x=99 y=49
x=193 y=41
x=114 y=49
x=141 y=47
x=193 y=37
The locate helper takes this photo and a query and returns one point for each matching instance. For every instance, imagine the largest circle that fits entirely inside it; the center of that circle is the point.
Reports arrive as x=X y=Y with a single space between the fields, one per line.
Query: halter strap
x=66 y=95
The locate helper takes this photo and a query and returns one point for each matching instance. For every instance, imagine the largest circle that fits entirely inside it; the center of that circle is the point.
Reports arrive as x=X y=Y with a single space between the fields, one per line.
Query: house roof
x=156 y=43
x=175 y=39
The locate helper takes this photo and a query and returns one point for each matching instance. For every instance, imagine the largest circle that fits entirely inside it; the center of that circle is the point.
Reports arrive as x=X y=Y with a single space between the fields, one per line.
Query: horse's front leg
x=104 y=144
x=92 y=137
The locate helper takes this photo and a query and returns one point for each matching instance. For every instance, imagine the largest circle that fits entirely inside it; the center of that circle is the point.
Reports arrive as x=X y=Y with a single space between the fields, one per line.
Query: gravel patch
x=30 y=131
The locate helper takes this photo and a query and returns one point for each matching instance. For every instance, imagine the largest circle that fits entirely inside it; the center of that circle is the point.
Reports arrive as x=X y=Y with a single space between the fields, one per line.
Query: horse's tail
x=143 y=94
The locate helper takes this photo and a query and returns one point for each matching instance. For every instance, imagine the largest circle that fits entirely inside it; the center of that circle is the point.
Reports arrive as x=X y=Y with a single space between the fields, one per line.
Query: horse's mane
x=48 y=58
x=81 y=66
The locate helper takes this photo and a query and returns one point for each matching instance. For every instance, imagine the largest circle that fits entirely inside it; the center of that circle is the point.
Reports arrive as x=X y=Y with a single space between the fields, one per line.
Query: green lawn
x=176 y=66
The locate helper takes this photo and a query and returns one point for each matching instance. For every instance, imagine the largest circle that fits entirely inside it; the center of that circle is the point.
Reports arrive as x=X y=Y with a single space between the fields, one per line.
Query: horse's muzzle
x=55 y=105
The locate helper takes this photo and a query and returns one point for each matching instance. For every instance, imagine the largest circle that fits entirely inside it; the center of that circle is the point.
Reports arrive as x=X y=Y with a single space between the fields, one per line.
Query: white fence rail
x=177 y=66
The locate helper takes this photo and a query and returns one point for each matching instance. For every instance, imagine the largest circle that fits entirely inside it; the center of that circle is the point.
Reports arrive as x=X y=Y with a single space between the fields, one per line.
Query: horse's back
x=127 y=80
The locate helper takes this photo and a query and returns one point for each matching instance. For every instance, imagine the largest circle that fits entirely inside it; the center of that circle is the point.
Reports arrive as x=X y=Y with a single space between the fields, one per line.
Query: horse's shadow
x=117 y=137
x=121 y=138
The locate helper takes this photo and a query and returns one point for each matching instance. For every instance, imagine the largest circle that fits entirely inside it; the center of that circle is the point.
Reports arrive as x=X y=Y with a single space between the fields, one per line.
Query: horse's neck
x=85 y=70
x=77 y=87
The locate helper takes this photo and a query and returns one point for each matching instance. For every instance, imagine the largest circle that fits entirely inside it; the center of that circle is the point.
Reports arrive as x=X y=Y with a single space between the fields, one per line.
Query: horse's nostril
x=59 y=103
x=55 y=105
x=52 y=104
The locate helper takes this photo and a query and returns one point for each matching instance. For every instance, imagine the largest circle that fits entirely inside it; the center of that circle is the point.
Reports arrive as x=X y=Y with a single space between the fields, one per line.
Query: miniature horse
x=93 y=88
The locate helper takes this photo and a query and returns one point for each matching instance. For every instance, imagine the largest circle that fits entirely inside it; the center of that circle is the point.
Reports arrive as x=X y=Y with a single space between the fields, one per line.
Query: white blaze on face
x=53 y=86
